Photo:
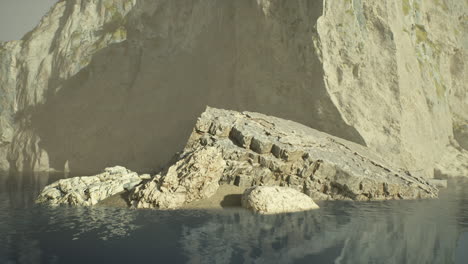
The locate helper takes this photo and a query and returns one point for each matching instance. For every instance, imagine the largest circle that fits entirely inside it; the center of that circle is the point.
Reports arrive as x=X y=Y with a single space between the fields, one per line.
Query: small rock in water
x=276 y=200
x=89 y=190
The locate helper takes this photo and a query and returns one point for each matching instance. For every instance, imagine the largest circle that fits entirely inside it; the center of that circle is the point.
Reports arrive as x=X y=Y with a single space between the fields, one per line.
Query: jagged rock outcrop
x=89 y=190
x=276 y=200
x=96 y=73
x=192 y=178
x=265 y=150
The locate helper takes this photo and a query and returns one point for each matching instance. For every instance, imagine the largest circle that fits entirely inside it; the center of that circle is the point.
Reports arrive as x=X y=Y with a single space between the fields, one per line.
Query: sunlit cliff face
x=107 y=82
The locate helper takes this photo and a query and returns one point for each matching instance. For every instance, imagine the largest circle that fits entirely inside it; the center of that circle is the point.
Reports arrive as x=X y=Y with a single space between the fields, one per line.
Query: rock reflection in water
x=422 y=231
x=23 y=188
x=24 y=225
x=341 y=232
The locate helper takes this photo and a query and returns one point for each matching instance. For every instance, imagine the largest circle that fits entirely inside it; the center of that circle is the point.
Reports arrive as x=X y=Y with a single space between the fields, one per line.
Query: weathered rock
x=264 y=150
x=249 y=149
x=454 y=162
x=89 y=190
x=389 y=74
x=394 y=69
x=275 y=200
x=194 y=177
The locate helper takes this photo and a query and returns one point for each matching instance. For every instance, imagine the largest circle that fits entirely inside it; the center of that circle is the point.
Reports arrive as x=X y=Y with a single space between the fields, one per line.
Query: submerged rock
x=89 y=190
x=275 y=199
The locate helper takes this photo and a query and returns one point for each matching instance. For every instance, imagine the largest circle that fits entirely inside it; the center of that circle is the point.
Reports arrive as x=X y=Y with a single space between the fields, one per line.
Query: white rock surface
x=395 y=71
x=114 y=75
x=194 y=177
x=276 y=200
x=89 y=190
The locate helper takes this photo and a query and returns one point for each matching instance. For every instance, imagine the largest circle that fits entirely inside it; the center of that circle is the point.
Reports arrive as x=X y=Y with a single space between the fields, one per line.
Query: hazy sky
x=17 y=17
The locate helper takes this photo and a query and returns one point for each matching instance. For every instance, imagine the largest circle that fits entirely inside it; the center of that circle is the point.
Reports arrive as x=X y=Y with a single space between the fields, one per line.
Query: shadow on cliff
x=135 y=104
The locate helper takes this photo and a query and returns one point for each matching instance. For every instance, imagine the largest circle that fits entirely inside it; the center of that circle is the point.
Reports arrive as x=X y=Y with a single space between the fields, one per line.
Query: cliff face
x=35 y=69
x=105 y=82
x=396 y=71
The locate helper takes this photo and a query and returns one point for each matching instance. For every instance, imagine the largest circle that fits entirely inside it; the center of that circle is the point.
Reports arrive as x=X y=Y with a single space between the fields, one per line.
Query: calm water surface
x=428 y=231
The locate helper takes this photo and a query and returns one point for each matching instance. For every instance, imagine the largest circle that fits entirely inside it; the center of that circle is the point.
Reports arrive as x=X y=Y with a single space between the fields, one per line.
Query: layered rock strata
x=249 y=149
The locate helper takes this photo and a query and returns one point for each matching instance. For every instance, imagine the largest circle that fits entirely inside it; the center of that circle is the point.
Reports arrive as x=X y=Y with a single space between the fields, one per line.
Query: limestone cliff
x=105 y=82
x=396 y=71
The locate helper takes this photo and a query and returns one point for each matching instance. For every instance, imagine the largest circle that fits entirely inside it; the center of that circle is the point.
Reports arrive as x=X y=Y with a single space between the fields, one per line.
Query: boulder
x=89 y=190
x=275 y=200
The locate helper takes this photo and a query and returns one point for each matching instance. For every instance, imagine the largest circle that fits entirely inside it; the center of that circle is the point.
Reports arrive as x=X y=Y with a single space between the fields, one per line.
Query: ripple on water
x=343 y=231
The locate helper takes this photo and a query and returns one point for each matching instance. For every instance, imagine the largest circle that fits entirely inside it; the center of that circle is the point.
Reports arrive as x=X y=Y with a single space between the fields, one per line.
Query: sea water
x=418 y=231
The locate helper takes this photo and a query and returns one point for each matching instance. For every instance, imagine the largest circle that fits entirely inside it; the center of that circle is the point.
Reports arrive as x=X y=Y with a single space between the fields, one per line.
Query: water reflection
x=23 y=188
x=431 y=231
x=390 y=232
x=461 y=252
x=341 y=232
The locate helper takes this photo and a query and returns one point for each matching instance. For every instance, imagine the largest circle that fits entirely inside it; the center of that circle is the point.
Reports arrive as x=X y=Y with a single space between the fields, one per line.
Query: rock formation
x=87 y=191
x=128 y=78
x=249 y=149
x=275 y=200
x=192 y=178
